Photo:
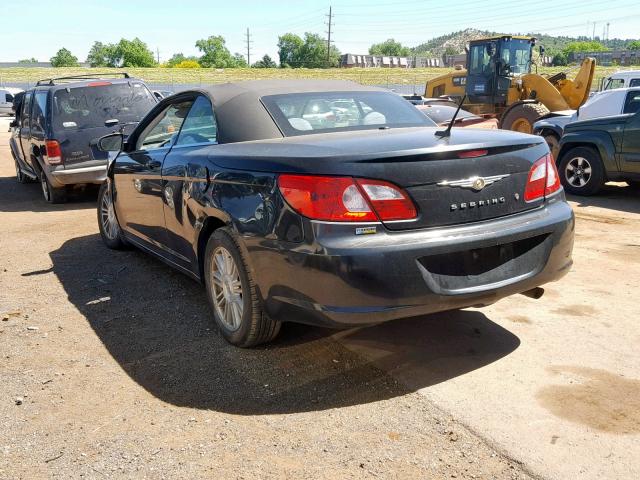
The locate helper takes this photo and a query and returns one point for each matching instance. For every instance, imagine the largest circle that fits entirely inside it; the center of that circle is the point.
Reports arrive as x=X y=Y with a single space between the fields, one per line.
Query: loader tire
x=521 y=117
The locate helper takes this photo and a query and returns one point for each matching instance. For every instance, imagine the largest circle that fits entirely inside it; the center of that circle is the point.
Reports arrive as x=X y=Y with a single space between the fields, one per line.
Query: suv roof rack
x=84 y=76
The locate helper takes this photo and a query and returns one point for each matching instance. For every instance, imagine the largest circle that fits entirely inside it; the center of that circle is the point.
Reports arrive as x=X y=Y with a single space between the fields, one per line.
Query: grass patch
x=203 y=76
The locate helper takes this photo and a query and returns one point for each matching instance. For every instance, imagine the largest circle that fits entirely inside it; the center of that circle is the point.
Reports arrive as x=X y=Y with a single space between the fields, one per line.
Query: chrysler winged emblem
x=474 y=183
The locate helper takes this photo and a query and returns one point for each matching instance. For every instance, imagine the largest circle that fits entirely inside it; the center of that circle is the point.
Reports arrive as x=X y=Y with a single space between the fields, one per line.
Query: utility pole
x=329 y=38
x=593 y=37
x=158 y=55
x=249 y=42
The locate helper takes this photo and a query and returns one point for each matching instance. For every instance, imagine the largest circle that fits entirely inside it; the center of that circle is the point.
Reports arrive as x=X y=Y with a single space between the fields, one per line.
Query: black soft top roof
x=242 y=117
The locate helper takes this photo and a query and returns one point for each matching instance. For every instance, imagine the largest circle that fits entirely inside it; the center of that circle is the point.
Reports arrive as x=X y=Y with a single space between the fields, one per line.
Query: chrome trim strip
x=72 y=171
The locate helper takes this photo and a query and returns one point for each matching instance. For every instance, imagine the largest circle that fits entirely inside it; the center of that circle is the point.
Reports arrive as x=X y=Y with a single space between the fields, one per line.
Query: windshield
x=479 y=60
x=444 y=113
x=90 y=106
x=516 y=54
x=305 y=113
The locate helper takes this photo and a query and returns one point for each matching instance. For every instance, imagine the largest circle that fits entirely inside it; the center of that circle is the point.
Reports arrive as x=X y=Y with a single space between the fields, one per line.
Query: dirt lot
x=110 y=369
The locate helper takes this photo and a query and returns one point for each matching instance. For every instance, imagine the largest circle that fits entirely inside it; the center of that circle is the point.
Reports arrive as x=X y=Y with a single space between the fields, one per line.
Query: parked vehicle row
x=598 y=143
x=7 y=95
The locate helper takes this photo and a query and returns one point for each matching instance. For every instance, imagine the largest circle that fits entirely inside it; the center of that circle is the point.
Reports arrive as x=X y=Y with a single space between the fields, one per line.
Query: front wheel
x=582 y=171
x=521 y=117
x=233 y=294
x=110 y=231
x=554 y=144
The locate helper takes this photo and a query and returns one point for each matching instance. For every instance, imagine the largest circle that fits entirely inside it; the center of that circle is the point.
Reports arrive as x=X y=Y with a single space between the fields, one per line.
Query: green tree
x=584 y=46
x=389 y=47
x=134 y=53
x=28 y=60
x=102 y=55
x=215 y=53
x=559 y=60
x=289 y=46
x=64 y=58
x=241 y=62
x=635 y=45
x=265 y=62
x=451 y=50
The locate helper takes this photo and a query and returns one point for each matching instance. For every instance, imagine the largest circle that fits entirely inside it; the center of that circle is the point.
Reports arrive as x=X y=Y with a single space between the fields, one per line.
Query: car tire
x=50 y=193
x=20 y=176
x=233 y=294
x=554 y=144
x=581 y=171
x=110 y=230
x=521 y=117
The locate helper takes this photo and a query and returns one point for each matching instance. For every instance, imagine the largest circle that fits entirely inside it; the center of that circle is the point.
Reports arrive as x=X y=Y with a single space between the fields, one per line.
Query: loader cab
x=491 y=65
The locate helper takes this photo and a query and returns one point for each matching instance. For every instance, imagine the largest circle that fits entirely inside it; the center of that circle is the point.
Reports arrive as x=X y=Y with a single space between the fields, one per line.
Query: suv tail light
x=345 y=199
x=54 y=153
x=543 y=179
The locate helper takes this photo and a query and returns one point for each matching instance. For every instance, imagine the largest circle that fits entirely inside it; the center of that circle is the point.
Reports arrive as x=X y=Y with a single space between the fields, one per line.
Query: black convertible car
x=331 y=203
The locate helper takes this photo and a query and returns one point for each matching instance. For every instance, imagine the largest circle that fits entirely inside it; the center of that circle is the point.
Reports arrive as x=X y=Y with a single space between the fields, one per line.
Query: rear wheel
x=110 y=231
x=51 y=194
x=521 y=117
x=20 y=176
x=581 y=171
x=233 y=294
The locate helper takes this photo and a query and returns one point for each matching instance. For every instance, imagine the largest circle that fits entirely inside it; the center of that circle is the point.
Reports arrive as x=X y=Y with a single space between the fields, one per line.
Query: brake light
x=472 y=153
x=344 y=199
x=98 y=84
x=543 y=179
x=54 y=153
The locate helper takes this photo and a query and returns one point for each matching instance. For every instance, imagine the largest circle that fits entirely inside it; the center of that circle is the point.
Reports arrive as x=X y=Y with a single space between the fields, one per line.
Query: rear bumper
x=349 y=280
x=61 y=176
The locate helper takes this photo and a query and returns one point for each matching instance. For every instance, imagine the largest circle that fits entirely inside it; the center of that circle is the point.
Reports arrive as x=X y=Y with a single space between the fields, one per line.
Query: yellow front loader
x=498 y=81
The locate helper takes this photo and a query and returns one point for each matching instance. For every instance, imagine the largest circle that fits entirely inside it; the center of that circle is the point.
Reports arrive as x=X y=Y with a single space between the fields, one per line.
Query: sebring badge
x=474 y=183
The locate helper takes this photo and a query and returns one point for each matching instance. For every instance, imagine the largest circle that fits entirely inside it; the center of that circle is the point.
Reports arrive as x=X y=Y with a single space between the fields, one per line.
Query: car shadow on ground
x=613 y=196
x=27 y=197
x=155 y=322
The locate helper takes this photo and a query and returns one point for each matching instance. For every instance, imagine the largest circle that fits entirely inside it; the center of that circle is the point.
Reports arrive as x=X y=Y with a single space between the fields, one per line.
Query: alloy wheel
x=108 y=217
x=578 y=172
x=227 y=289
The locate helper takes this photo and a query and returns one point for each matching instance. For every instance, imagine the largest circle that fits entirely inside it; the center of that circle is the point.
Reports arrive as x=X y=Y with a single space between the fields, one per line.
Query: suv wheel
x=51 y=194
x=233 y=294
x=21 y=177
x=110 y=230
x=581 y=171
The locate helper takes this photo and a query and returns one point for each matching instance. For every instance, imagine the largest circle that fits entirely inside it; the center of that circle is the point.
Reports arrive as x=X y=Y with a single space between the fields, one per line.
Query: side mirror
x=112 y=122
x=541 y=50
x=110 y=143
x=13 y=124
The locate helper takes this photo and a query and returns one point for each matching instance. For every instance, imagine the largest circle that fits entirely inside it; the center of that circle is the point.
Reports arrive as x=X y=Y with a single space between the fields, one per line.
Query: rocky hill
x=456 y=41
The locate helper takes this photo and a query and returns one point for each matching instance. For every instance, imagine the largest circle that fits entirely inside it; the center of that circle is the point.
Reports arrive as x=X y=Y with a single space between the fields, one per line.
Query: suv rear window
x=321 y=112
x=90 y=106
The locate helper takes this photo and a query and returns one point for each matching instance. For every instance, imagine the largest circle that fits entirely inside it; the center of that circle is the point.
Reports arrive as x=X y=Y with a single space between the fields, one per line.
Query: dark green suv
x=603 y=149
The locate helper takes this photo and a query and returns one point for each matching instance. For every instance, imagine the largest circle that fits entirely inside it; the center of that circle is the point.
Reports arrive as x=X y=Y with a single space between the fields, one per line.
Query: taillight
x=54 y=153
x=472 y=153
x=344 y=199
x=543 y=179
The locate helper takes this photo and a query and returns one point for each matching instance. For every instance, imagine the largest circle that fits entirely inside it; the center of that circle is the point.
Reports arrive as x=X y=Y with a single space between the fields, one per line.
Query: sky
x=173 y=27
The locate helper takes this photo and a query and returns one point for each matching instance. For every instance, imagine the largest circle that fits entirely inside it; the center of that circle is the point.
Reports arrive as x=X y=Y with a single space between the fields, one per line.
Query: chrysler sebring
x=332 y=203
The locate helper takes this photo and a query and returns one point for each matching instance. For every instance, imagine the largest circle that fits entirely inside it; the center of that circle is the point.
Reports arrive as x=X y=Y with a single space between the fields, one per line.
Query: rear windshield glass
x=305 y=113
x=444 y=113
x=88 y=107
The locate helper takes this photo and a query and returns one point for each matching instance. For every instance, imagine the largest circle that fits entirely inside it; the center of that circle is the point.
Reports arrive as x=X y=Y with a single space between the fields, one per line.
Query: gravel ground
x=111 y=369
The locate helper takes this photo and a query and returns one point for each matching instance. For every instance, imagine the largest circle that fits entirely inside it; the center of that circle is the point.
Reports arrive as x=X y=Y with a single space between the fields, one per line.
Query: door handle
x=153 y=164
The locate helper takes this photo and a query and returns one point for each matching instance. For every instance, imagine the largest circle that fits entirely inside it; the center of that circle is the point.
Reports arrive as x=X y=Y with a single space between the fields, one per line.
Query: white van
x=622 y=79
x=6 y=99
